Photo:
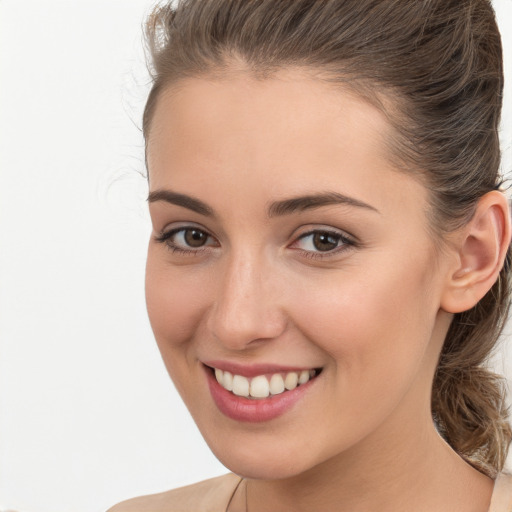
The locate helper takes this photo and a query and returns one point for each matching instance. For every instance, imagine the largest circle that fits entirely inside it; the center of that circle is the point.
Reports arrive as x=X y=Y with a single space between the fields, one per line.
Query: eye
x=186 y=239
x=322 y=241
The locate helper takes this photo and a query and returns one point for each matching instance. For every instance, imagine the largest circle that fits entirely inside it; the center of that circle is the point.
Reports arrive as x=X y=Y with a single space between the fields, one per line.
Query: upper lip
x=253 y=370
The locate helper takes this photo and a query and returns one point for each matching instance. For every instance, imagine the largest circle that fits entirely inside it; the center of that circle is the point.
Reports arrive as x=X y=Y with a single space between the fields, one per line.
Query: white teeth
x=240 y=385
x=304 y=376
x=227 y=381
x=276 y=384
x=291 y=381
x=260 y=387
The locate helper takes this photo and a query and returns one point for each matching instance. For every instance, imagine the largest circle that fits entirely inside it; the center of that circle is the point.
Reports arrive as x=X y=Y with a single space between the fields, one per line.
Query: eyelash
x=166 y=238
x=346 y=242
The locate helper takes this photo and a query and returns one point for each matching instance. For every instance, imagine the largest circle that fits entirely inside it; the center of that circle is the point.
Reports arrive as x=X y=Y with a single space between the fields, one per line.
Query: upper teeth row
x=260 y=386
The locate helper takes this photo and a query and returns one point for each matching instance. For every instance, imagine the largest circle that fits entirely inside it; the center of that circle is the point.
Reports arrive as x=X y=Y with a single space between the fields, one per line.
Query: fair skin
x=359 y=289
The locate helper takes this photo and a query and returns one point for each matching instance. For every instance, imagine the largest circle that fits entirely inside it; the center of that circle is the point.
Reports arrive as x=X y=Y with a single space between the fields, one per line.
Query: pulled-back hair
x=434 y=68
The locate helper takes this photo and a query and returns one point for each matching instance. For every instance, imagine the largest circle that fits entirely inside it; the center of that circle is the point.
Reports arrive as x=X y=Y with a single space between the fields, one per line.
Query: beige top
x=213 y=495
x=502 y=496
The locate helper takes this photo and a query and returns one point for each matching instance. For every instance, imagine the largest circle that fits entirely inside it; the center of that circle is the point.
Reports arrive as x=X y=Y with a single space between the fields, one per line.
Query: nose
x=246 y=307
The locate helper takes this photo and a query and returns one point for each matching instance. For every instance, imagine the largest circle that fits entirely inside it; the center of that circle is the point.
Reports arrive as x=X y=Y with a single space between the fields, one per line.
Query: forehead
x=291 y=132
x=292 y=105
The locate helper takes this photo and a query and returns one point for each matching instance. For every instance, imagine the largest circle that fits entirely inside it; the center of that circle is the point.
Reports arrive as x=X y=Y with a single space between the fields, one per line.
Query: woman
x=329 y=265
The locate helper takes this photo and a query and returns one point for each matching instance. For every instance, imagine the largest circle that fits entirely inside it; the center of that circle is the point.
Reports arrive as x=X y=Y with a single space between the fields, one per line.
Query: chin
x=260 y=460
x=256 y=468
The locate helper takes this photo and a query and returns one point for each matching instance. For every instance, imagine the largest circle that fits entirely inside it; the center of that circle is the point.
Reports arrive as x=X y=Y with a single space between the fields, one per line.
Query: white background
x=88 y=415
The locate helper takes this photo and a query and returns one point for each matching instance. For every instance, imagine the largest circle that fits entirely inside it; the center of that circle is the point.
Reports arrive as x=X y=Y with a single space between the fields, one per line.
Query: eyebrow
x=276 y=208
x=181 y=200
x=308 y=202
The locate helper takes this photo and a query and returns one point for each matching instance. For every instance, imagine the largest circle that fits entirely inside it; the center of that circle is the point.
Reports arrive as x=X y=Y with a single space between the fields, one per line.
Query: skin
x=372 y=313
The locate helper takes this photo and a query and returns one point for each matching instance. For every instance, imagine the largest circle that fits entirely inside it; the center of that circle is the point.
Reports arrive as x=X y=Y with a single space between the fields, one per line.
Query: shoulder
x=502 y=495
x=210 y=495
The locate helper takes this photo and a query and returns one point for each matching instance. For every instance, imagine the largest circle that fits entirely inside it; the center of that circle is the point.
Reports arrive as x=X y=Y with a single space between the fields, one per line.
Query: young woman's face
x=285 y=248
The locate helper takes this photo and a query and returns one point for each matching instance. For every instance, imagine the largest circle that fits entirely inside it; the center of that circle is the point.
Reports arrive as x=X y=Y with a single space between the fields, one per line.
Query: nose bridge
x=243 y=278
x=245 y=308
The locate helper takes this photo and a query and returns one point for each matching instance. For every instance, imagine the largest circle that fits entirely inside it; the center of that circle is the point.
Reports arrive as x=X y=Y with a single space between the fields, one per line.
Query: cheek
x=174 y=299
x=375 y=326
x=175 y=303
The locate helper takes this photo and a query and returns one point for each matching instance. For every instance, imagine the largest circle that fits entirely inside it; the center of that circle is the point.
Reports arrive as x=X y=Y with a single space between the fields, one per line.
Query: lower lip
x=240 y=408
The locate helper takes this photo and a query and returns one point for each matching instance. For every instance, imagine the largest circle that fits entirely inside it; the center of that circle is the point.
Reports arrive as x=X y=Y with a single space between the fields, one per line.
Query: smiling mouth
x=264 y=386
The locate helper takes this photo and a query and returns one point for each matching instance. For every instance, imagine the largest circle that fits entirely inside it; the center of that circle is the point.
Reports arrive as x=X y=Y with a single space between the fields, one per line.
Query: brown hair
x=438 y=63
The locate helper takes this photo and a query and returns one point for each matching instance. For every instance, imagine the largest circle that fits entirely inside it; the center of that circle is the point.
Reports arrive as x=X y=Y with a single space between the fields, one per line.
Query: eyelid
x=347 y=242
x=165 y=236
x=323 y=228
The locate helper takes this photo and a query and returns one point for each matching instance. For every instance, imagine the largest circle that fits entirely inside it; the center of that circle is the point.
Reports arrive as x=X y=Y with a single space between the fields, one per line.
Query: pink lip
x=255 y=411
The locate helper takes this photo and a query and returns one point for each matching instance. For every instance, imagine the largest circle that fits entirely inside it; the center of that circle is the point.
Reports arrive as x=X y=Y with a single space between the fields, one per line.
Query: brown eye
x=195 y=237
x=325 y=241
x=187 y=240
x=321 y=243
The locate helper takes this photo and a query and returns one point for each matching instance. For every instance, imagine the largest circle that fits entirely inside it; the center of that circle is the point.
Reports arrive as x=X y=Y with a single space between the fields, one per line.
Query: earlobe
x=481 y=250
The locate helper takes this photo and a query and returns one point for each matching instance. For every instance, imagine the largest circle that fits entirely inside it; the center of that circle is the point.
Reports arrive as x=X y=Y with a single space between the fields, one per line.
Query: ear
x=481 y=248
